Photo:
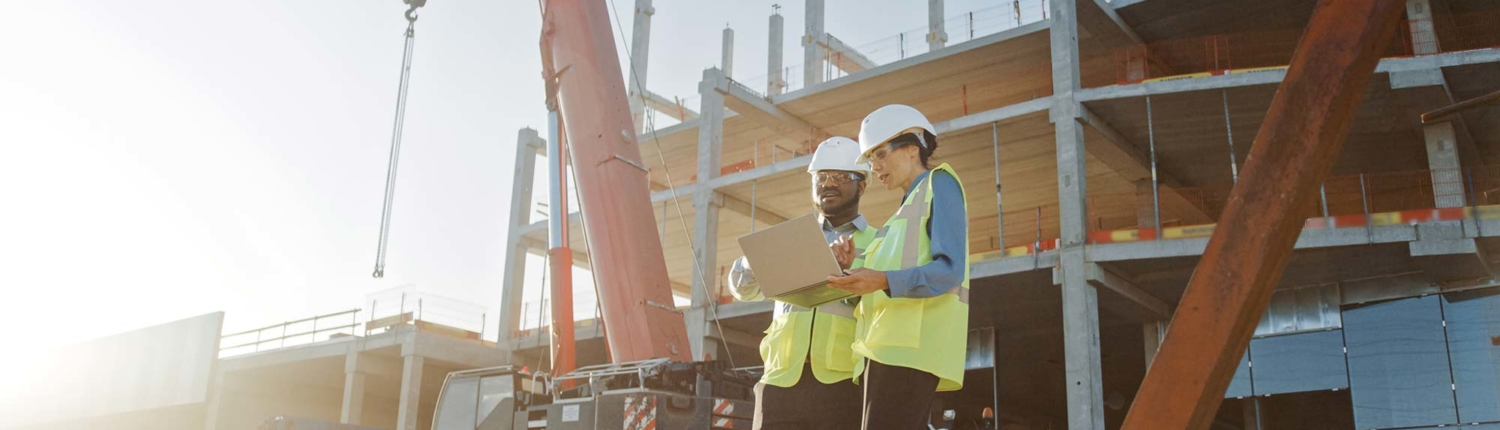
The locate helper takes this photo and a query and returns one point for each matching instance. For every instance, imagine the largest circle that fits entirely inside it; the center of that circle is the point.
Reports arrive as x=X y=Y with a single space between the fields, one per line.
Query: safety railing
x=1254 y=51
x=290 y=333
x=962 y=27
x=405 y=305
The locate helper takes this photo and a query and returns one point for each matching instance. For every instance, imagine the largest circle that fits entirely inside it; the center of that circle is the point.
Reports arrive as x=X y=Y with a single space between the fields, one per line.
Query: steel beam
x=1294 y=150
x=746 y=102
x=845 y=57
x=1145 y=306
x=669 y=108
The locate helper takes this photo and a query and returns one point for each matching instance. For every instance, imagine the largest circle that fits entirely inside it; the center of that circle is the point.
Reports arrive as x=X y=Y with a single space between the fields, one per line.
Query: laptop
x=792 y=262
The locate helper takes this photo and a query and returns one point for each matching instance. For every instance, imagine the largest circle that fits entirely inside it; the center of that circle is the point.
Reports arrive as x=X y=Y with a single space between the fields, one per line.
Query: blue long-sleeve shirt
x=948 y=228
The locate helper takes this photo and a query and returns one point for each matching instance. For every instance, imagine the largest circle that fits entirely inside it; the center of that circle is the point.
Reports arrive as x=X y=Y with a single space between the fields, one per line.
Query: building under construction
x=1112 y=134
x=1385 y=318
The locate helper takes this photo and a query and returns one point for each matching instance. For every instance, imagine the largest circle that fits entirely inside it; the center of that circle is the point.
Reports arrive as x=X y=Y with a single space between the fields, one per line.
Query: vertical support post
x=1145 y=210
x=1364 y=200
x=1153 y=332
x=1323 y=194
x=999 y=198
x=1155 y=183
x=411 y=391
x=1424 y=38
x=528 y=145
x=1444 y=164
x=726 y=61
x=1234 y=166
x=1079 y=299
x=813 y=53
x=559 y=254
x=354 y=391
x=216 y=400
x=937 y=36
x=775 y=80
x=1252 y=413
x=640 y=50
x=706 y=215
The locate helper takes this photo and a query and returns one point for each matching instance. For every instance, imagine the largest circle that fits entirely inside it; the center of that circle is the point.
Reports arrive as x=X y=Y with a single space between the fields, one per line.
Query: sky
x=173 y=158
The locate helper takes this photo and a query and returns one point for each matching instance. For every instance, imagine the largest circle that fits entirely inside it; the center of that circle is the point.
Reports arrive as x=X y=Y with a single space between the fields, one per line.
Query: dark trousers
x=897 y=398
x=809 y=405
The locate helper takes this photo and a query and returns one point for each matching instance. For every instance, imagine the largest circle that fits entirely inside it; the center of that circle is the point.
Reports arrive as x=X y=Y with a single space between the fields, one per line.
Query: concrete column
x=528 y=143
x=1080 y=300
x=1424 y=38
x=354 y=391
x=215 y=401
x=812 y=48
x=706 y=216
x=1443 y=160
x=775 y=82
x=727 y=52
x=411 y=392
x=640 y=50
x=936 y=36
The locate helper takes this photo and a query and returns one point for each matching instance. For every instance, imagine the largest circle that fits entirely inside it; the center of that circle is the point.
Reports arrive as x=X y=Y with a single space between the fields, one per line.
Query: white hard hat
x=837 y=153
x=886 y=123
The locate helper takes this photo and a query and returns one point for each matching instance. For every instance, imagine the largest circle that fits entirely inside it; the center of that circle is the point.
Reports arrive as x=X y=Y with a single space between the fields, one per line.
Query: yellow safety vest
x=925 y=334
x=825 y=333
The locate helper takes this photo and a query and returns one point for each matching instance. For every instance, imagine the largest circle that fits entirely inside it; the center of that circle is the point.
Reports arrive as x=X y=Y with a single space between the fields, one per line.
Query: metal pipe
x=1474 y=203
x=1155 y=187
x=999 y=201
x=1234 y=167
x=557 y=217
x=560 y=254
x=1323 y=193
x=1365 y=201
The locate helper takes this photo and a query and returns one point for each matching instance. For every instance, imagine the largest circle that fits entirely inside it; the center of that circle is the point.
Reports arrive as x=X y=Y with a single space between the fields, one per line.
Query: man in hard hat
x=808 y=363
x=914 y=285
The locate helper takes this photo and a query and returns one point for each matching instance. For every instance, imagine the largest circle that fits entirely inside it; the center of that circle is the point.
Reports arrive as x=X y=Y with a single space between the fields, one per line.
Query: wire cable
x=396 y=132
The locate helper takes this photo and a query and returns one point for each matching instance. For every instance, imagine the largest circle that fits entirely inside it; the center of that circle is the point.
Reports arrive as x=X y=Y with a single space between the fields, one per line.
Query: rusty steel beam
x=1294 y=150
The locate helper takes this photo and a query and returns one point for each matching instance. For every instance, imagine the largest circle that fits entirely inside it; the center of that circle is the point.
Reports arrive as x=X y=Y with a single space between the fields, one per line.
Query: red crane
x=586 y=95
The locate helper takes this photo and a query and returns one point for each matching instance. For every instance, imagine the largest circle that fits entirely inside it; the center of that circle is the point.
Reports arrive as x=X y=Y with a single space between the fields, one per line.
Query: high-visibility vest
x=819 y=336
x=925 y=334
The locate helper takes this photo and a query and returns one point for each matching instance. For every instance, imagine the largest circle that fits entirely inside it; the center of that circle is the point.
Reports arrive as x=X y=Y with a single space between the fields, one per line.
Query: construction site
x=1125 y=142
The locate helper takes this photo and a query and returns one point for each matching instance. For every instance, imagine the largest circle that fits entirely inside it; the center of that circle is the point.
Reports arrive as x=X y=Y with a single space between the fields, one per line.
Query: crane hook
x=410 y=17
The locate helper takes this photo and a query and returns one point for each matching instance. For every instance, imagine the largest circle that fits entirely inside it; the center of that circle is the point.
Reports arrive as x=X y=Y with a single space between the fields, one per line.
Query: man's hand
x=859 y=281
x=843 y=251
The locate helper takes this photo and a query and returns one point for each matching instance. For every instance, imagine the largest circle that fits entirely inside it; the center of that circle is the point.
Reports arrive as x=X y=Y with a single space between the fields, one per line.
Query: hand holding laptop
x=859 y=281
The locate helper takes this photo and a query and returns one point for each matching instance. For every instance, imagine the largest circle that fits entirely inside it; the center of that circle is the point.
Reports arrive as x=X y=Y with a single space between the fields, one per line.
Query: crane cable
x=396 y=131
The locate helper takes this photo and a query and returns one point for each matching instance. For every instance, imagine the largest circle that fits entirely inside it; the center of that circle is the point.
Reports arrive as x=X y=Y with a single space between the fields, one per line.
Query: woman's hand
x=843 y=251
x=859 y=281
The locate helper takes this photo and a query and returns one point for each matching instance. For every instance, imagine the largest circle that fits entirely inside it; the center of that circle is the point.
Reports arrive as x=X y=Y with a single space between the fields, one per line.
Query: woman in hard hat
x=913 y=315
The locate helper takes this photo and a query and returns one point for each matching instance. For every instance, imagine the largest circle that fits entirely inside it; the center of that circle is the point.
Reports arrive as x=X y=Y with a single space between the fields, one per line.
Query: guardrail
x=298 y=335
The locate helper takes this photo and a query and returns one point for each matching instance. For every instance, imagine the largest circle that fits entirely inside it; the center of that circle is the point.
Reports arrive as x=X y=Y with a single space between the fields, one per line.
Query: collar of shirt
x=859 y=224
x=914 y=183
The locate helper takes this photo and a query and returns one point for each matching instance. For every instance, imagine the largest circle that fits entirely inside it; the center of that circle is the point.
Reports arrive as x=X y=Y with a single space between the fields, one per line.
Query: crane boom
x=580 y=63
